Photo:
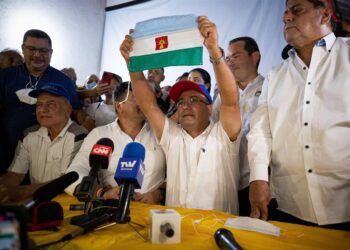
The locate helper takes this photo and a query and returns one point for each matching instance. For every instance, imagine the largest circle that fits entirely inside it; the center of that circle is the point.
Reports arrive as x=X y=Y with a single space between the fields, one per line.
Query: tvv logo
x=128 y=164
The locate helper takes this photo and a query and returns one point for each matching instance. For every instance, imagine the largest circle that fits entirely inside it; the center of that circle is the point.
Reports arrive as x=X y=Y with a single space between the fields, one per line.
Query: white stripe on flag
x=176 y=40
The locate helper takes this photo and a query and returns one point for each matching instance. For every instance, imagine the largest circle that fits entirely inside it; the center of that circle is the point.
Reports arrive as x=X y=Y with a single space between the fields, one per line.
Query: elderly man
x=200 y=155
x=46 y=150
x=156 y=75
x=301 y=126
x=17 y=109
x=129 y=126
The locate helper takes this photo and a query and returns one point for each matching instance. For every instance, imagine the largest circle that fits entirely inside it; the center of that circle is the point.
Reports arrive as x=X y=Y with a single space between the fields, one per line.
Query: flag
x=166 y=41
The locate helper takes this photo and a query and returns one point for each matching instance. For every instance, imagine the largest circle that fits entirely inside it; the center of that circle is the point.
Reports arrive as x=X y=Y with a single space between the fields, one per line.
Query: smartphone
x=106 y=77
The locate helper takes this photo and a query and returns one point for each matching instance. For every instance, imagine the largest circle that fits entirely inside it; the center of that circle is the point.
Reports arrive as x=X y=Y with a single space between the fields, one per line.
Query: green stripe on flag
x=183 y=57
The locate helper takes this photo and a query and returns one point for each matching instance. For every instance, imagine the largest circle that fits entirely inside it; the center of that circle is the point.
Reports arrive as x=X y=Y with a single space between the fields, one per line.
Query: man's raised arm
x=143 y=93
x=229 y=110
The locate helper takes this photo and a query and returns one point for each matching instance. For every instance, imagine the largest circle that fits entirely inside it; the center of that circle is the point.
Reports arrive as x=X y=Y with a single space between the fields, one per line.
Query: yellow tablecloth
x=197 y=230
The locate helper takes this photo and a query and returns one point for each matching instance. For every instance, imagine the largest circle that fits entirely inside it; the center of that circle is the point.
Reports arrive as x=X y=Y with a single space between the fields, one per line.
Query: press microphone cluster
x=98 y=159
x=129 y=175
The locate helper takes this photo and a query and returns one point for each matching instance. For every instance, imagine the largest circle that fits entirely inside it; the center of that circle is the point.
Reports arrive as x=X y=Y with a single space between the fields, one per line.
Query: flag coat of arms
x=166 y=41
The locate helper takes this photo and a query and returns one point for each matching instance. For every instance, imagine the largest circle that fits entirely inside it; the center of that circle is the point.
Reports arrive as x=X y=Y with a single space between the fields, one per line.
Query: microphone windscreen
x=53 y=188
x=134 y=150
x=225 y=240
x=100 y=153
x=106 y=142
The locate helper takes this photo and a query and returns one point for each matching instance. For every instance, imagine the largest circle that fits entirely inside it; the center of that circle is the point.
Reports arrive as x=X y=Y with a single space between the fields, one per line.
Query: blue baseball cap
x=182 y=86
x=52 y=88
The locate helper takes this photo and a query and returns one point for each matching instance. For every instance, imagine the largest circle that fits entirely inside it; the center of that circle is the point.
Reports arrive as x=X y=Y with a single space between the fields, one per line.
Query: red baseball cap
x=182 y=86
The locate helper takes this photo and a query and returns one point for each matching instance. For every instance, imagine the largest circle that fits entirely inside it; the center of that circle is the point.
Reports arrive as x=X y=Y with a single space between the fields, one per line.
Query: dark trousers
x=275 y=214
x=243 y=201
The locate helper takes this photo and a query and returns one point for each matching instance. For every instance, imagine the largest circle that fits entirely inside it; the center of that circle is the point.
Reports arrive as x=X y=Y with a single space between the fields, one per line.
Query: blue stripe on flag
x=164 y=24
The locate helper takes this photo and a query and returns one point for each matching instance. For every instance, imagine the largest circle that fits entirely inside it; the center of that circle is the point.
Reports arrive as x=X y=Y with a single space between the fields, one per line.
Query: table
x=197 y=230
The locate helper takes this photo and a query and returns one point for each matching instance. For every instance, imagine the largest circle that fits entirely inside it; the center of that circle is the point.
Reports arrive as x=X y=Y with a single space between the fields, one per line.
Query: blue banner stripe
x=164 y=24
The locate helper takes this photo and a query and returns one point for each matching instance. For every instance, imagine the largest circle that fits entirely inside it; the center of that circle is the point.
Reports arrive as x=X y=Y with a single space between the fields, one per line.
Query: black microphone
x=225 y=240
x=129 y=175
x=98 y=159
x=51 y=189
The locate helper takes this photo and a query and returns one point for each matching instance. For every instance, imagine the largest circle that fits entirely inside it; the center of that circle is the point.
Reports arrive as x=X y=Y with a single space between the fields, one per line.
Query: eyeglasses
x=32 y=50
x=190 y=101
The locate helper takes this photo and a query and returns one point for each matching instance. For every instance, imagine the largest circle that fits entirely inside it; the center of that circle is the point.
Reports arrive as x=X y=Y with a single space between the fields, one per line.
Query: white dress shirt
x=46 y=159
x=154 y=156
x=302 y=129
x=248 y=102
x=202 y=172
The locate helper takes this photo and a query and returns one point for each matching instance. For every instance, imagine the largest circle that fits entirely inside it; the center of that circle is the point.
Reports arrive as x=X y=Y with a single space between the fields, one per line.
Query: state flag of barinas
x=166 y=41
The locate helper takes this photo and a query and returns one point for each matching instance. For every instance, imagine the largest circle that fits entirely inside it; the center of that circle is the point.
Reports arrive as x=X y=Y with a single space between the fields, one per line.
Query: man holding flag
x=202 y=167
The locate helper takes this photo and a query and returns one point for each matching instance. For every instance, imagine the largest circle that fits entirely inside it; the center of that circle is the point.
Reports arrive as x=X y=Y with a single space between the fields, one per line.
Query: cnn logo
x=101 y=150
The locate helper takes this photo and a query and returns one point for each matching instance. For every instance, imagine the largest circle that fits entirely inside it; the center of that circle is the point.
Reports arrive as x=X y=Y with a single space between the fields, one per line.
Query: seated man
x=129 y=126
x=200 y=155
x=48 y=148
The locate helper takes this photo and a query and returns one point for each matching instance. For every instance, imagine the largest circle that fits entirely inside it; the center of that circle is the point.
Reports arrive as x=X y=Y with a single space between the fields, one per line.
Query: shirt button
x=307 y=102
x=306 y=146
x=304 y=68
x=305 y=123
x=310 y=170
x=309 y=83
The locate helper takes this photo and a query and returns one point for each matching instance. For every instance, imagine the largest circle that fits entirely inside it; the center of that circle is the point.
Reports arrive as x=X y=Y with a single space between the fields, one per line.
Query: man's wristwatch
x=217 y=61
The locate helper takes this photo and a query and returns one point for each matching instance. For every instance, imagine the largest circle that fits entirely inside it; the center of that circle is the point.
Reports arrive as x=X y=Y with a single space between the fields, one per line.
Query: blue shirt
x=16 y=116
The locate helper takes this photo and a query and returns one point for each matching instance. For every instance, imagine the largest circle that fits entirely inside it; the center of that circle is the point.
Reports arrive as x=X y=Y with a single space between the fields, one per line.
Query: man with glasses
x=17 y=109
x=46 y=150
x=129 y=126
x=202 y=166
x=301 y=128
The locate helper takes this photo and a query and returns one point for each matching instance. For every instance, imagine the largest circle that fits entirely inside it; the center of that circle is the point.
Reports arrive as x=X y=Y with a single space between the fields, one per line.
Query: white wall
x=75 y=27
x=260 y=19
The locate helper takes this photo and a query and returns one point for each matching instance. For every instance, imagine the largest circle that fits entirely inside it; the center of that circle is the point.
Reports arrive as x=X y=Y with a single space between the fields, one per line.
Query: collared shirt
x=248 y=103
x=202 y=172
x=302 y=129
x=154 y=156
x=16 y=116
x=46 y=159
x=101 y=113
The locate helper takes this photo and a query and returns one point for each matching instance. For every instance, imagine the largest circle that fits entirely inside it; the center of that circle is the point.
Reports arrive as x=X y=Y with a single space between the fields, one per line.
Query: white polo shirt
x=46 y=159
x=202 y=172
x=154 y=156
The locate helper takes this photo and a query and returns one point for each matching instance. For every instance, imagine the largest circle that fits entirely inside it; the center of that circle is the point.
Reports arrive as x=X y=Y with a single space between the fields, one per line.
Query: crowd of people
x=271 y=148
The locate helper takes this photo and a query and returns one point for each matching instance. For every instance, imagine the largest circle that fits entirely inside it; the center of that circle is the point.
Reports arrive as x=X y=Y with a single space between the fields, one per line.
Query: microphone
x=129 y=175
x=98 y=159
x=225 y=240
x=51 y=189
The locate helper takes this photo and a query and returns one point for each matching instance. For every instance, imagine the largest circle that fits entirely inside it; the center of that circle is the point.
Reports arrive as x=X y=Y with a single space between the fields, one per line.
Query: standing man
x=301 y=128
x=200 y=167
x=46 y=150
x=156 y=75
x=17 y=109
x=243 y=59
